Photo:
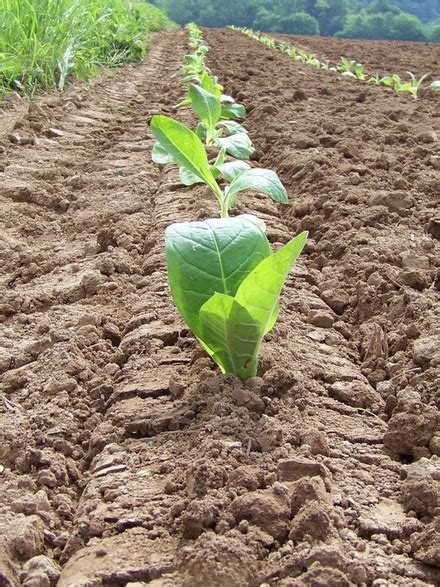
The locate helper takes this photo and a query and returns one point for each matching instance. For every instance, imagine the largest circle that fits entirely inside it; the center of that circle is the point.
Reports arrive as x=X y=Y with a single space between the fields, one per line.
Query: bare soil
x=126 y=458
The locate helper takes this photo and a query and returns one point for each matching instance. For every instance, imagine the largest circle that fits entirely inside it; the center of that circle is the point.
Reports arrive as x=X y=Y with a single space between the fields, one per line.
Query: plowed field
x=126 y=457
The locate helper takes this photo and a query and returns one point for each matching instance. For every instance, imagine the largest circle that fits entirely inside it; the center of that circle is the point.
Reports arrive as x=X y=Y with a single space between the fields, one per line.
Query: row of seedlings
x=224 y=277
x=346 y=67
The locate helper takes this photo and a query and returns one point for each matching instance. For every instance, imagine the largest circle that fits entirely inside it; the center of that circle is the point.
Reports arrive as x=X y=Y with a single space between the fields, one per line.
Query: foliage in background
x=42 y=42
x=413 y=20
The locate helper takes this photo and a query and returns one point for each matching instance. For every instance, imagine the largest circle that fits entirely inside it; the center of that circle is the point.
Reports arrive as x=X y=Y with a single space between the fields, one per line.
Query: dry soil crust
x=127 y=458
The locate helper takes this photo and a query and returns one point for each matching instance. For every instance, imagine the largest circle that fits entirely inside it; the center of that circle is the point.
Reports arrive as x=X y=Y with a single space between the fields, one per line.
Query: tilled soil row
x=128 y=458
x=84 y=212
x=362 y=173
x=382 y=57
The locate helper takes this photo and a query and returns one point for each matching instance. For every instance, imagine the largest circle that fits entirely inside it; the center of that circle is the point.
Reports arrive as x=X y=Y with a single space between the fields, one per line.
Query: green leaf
x=233 y=111
x=201 y=131
x=220 y=157
x=231 y=335
x=259 y=292
x=206 y=105
x=210 y=84
x=183 y=103
x=435 y=84
x=238 y=145
x=226 y=98
x=184 y=147
x=265 y=181
x=160 y=155
x=233 y=327
x=211 y=256
x=232 y=126
x=232 y=169
x=188 y=178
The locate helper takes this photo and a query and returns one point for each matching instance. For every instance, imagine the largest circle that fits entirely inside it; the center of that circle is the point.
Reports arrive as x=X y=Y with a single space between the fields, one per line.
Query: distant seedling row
x=346 y=67
x=224 y=278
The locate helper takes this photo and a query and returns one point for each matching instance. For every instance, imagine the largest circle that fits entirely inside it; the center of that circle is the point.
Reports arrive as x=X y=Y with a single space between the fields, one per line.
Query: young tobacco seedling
x=226 y=283
x=176 y=143
x=209 y=108
x=224 y=278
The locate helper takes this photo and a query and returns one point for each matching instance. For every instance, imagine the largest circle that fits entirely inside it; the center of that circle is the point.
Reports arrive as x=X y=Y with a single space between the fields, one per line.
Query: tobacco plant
x=224 y=278
x=176 y=143
x=218 y=113
x=226 y=283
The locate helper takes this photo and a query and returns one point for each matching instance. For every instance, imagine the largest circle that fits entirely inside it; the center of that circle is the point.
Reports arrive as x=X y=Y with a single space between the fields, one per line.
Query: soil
x=383 y=57
x=126 y=457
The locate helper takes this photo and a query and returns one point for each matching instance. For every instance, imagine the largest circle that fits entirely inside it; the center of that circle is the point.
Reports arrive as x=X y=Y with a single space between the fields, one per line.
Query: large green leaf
x=211 y=256
x=238 y=145
x=206 y=105
x=265 y=181
x=233 y=327
x=259 y=292
x=231 y=335
x=184 y=147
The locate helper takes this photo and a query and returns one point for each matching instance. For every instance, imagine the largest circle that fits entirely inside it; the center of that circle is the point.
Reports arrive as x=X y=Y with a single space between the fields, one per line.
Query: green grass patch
x=44 y=42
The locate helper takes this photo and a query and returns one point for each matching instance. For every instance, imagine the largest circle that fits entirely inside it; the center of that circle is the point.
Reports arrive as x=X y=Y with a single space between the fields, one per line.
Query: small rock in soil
x=306 y=490
x=337 y=299
x=434 y=161
x=320 y=318
x=426 y=545
x=294 y=468
x=267 y=511
x=421 y=495
x=26 y=536
x=427 y=350
x=394 y=201
x=216 y=560
x=407 y=431
x=199 y=516
x=312 y=523
x=355 y=393
x=40 y=571
x=202 y=476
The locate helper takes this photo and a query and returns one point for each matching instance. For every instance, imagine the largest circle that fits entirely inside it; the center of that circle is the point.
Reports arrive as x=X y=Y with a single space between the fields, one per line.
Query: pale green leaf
x=265 y=181
x=231 y=334
x=160 y=155
x=188 y=178
x=238 y=145
x=232 y=169
x=206 y=105
x=184 y=147
x=233 y=111
x=211 y=256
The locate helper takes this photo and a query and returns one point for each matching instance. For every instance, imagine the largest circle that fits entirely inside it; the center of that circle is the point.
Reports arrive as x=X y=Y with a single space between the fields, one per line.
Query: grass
x=44 y=42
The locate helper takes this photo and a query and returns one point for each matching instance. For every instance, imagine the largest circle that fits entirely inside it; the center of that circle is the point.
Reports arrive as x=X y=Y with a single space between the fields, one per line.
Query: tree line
x=412 y=20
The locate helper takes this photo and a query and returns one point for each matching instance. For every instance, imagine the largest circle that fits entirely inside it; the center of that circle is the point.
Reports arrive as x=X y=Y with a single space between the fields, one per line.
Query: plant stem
x=224 y=209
